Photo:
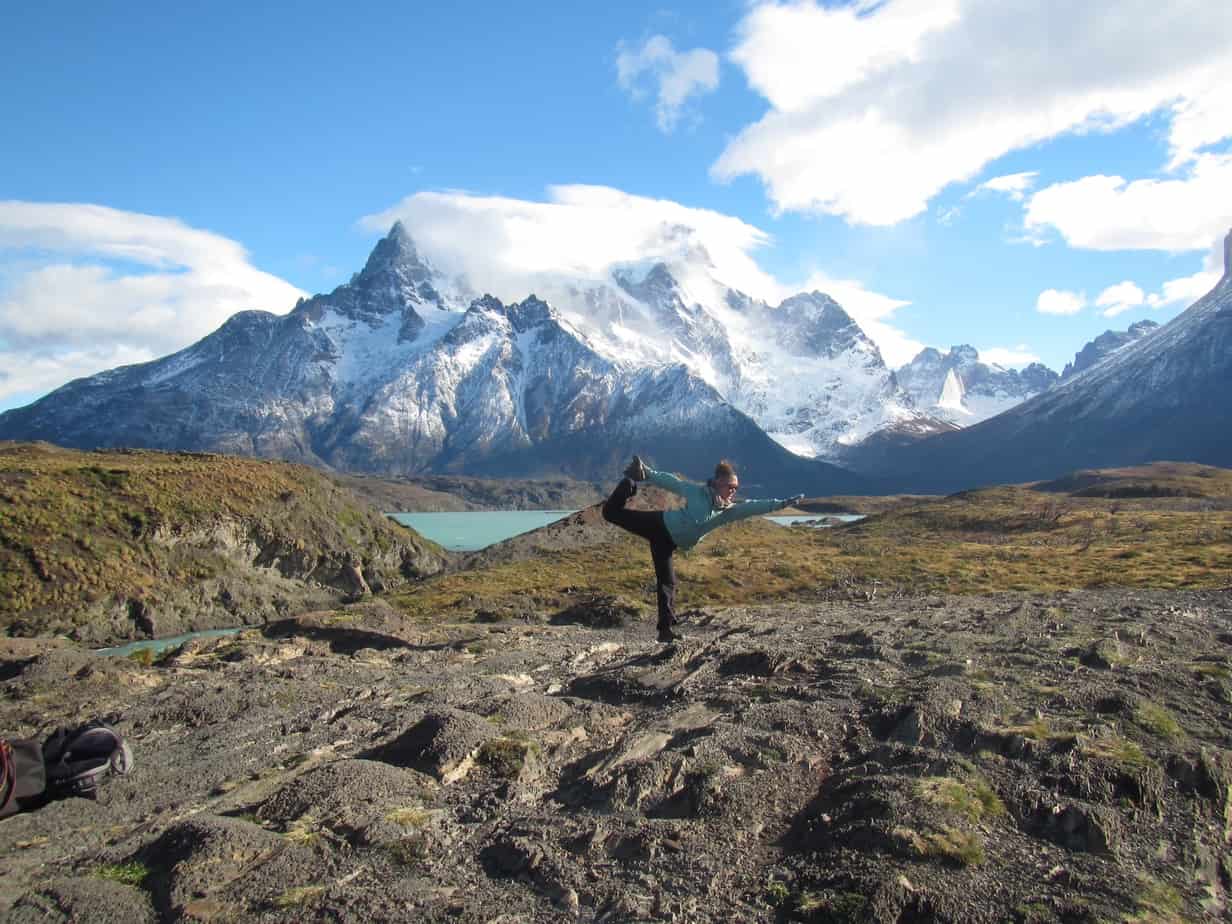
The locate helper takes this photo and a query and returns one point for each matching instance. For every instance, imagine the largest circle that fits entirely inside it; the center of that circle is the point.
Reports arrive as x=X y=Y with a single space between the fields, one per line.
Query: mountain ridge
x=1157 y=398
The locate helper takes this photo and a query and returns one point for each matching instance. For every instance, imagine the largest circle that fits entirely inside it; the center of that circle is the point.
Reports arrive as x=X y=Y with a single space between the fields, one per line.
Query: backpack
x=22 y=777
x=77 y=760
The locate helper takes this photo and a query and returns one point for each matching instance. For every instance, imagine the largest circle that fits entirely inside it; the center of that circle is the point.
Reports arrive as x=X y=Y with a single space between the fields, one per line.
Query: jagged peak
x=487 y=302
x=643 y=276
x=1143 y=326
x=1227 y=255
x=522 y=315
x=530 y=311
x=964 y=353
x=395 y=252
x=926 y=355
x=819 y=299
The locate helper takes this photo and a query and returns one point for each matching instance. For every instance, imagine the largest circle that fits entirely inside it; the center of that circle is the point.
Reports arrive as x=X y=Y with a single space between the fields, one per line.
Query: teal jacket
x=699 y=516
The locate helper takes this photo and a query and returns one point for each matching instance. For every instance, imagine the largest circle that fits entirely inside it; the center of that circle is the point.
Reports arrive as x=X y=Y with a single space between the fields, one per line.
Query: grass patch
x=1034 y=913
x=300 y=895
x=1115 y=750
x=409 y=851
x=832 y=907
x=1037 y=729
x=948 y=844
x=1211 y=669
x=1158 y=903
x=133 y=873
x=410 y=816
x=143 y=656
x=776 y=893
x=972 y=798
x=507 y=755
x=304 y=830
x=1157 y=720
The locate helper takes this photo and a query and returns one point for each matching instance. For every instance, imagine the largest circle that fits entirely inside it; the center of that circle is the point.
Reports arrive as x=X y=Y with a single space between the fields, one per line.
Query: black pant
x=649 y=525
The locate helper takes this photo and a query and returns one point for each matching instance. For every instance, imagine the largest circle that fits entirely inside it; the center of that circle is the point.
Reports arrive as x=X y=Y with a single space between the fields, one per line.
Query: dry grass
x=997 y=539
x=301 y=895
x=1115 y=750
x=972 y=798
x=78 y=528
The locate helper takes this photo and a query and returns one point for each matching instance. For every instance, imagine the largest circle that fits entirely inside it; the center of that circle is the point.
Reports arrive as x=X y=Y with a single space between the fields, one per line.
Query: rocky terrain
x=1007 y=757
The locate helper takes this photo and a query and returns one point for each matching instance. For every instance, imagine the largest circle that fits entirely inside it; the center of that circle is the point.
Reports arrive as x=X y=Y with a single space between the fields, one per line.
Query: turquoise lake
x=466 y=532
x=472 y=530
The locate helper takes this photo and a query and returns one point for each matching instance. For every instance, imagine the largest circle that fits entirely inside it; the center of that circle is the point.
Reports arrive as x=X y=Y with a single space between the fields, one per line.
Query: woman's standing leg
x=665 y=582
x=649 y=525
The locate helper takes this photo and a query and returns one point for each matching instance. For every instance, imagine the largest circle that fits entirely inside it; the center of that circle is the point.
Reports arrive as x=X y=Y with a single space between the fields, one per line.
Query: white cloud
x=1109 y=213
x=1120 y=298
x=1014 y=357
x=679 y=75
x=877 y=105
x=85 y=288
x=1058 y=301
x=506 y=246
x=511 y=247
x=1014 y=185
x=1183 y=291
x=33 y=372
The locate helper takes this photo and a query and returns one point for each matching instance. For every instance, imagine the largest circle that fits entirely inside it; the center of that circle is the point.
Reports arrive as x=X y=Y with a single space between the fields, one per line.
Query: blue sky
x=1018 y=176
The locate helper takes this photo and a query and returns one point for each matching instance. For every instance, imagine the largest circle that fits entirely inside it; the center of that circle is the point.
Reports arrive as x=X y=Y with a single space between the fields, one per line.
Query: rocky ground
x=1060 y=757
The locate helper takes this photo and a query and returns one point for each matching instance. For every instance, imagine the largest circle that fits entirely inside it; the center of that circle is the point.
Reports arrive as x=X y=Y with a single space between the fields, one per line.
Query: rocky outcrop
x=1106 y=343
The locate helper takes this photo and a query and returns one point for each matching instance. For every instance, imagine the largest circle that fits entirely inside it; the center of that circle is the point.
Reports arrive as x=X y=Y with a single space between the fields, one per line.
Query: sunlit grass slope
x=77 y=528
x=1168 y=527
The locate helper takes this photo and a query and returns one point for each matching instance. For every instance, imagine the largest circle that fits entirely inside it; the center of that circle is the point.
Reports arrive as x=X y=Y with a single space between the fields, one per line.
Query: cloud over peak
x=511 y=247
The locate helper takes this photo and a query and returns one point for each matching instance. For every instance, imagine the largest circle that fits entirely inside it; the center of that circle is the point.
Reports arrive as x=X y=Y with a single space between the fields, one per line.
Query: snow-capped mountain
x=958 y=388
x=400 y=371
x=803 y=370
x=1161 y=397
x=1107 y=342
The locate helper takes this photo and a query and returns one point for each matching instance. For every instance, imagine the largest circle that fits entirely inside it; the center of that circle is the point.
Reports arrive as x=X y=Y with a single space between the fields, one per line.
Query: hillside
x=115 y=545
x=443 y=493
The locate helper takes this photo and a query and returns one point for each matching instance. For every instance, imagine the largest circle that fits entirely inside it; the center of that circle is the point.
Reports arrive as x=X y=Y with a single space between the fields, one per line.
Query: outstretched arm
x=751 y=508
x=667 y=482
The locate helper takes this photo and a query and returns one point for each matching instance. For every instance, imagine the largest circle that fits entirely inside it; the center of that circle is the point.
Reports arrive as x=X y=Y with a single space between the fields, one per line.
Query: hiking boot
x=669 y=635
x=636 y=469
